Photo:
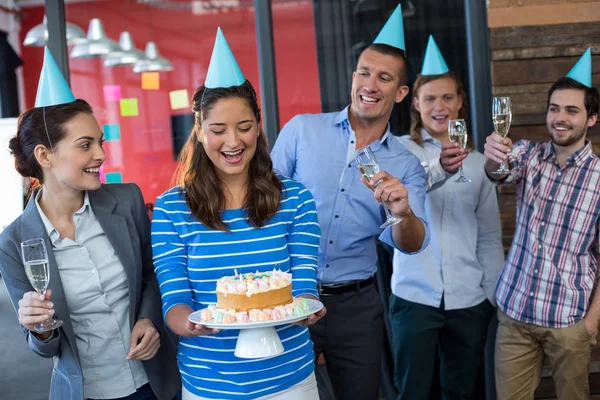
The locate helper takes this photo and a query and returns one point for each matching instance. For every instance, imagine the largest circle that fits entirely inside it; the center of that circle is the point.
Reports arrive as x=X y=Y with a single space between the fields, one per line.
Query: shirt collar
x=53 y=233
x=341 y=118
x=428 y=138
x=576 y=158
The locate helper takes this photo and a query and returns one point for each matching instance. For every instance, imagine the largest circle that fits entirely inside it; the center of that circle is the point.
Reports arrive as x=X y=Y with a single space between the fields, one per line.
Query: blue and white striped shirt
x=189 y=258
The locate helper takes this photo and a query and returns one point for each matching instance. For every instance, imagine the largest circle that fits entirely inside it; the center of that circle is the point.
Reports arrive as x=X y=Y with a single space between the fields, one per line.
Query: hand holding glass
x=457 y=133
x=35 y=259
x=368 y=167
x=502 y=115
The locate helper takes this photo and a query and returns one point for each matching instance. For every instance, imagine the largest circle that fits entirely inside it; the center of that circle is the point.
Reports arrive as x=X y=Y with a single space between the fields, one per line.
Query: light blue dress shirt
x=318 y=151
x=465 y=254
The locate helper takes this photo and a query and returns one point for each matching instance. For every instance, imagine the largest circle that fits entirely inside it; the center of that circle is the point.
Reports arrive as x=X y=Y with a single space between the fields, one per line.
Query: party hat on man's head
x=223 y=70
x=392 y=32
x=582 y=71
x=433 y=63
x=52 y=87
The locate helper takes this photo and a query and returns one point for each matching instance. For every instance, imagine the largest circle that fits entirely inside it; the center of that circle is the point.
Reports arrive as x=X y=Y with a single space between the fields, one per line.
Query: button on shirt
x=465 y=254
x=97 y=293
x=318 y=151
x=552 y=265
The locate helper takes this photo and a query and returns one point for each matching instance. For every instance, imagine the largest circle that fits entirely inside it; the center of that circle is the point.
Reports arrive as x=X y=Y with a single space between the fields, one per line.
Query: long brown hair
x=416 y=123
x=204 y=192
x=31 y=132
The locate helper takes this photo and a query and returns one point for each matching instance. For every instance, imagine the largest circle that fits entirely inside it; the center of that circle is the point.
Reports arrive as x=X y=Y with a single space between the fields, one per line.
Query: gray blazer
x=122 y=214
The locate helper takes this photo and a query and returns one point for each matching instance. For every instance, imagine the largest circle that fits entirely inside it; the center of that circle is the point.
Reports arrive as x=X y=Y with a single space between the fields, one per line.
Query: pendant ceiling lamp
x=38 y=35
x=97 y=44
x=127 y=54
x=152 y=61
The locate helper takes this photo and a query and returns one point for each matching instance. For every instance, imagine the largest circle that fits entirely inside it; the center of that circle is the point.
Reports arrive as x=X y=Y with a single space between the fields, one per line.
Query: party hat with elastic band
x=223 y=70
x=52 y=87
x=582 y=70
x=392 y=32
x=433 y=63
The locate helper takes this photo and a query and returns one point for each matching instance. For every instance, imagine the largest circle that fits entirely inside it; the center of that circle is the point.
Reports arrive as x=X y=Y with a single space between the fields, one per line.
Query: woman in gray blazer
x=113 y=342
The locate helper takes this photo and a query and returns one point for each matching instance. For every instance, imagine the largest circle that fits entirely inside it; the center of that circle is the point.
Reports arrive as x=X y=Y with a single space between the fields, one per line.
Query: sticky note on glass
x=179 y=99
x=150 y=81
x=112 y=132
x=112 y=92
x=114 y=177
x=129 y=108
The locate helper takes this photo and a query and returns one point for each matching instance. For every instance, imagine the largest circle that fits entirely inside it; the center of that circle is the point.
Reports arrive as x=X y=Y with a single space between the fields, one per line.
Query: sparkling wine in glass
x=35 y=260
x=457 y=133
x=502 y=115
x=368 y=167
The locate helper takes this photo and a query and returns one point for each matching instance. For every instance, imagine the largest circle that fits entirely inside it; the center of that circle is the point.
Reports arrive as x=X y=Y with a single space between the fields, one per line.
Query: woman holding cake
x=231 y=226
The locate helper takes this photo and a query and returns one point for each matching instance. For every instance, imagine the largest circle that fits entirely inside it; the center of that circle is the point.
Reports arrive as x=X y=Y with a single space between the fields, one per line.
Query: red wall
x=144 y=153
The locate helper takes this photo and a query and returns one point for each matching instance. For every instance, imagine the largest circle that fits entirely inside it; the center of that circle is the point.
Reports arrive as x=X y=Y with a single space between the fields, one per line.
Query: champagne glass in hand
x=457 y=132
x=502 y=115
x=368 y=167
x=35 y=259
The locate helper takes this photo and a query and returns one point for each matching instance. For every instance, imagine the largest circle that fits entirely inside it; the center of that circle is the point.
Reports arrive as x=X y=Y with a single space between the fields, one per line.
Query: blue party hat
x=434 y=63
x=52 y=87
x=392 y=32
x=582 y=70
x=223 y=70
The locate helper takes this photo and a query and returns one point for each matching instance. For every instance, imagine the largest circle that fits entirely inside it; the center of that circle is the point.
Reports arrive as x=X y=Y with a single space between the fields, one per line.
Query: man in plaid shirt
x=547 y=305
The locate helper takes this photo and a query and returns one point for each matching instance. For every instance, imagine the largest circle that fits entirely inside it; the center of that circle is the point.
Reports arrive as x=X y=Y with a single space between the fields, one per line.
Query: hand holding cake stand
x=257 y=339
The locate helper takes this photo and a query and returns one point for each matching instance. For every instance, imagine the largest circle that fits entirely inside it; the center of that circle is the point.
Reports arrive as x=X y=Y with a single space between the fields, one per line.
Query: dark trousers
x=421 y=332
x=143 y=393
x=351 y=338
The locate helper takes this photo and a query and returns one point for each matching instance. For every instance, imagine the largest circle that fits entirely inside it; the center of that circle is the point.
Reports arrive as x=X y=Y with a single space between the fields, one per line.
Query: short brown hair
x=396 y=53
x=590 y=95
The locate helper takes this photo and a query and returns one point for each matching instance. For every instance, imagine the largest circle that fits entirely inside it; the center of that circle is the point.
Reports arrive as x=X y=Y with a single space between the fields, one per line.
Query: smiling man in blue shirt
x=318 y=150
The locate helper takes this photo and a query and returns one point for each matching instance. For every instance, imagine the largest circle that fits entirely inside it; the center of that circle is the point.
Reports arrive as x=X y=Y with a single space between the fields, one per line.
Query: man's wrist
x=406 y=215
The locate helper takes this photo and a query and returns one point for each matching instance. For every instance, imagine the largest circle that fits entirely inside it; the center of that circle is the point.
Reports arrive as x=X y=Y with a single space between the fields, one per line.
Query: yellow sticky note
x=179 y=99
x=129 y=108
x=150 y=81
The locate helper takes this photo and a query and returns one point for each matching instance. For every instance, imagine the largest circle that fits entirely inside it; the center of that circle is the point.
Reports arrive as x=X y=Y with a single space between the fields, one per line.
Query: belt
x=339 y=288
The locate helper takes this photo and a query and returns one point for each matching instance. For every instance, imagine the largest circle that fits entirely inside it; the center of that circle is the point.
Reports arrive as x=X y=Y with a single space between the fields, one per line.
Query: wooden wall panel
x=520 y=3
x=542 y=12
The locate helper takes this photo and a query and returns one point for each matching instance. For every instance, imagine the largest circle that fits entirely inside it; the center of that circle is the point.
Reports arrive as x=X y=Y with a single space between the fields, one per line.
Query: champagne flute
x=457 y=132
x=35 y=259
x=502 y=118
x=368 y=167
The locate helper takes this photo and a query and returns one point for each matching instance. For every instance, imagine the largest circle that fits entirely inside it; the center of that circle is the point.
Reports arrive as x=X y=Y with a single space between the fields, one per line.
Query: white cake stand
x=258 y=339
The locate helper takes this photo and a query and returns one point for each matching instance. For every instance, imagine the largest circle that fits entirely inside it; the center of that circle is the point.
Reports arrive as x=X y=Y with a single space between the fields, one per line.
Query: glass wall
x=146 y=116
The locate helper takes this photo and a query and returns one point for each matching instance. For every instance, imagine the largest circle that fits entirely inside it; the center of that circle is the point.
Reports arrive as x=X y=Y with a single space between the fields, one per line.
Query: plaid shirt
x=550 y=272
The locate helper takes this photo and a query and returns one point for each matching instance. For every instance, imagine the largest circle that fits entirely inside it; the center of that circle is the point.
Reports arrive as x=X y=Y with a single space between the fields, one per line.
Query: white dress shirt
x=465 y=255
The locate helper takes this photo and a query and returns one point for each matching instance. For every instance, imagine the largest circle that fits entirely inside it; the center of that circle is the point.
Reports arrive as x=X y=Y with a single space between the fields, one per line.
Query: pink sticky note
x=112 y=92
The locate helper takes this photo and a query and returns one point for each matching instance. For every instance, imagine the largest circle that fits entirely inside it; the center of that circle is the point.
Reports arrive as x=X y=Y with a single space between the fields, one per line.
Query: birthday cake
x=258 y=290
